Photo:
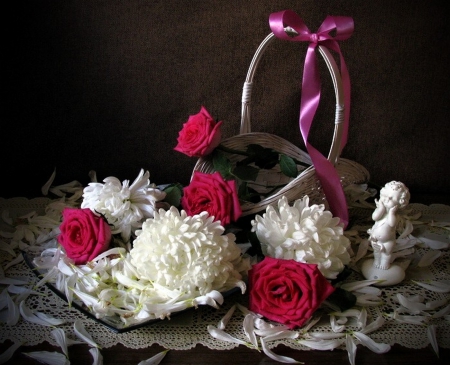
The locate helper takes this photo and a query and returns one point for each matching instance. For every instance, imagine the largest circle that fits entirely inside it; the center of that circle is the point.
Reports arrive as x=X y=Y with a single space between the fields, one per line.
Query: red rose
x=211 y=193
x=286 y=291
x=199 y=136
x=84 y=235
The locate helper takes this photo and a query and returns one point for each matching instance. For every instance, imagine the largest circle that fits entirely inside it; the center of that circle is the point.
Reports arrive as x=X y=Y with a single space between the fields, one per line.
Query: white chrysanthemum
x=187 y=253
x=304 y=233
x=123 y=206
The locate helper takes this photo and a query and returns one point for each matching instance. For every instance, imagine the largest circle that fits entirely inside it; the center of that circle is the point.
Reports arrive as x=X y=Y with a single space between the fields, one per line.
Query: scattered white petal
x=379 y=348
x=249 y=329
x=434 y=304
x=436 y=286
x=351 y=349
x=13 y=312
x=47 y=357
x=279 y=358
x=281 y=335
x=428 y=258
x=49 y=182
x=97 y=356
x=408 y=319
x=5 y=356
x=154 y=360
x=225 y=319
x=326 y=335
x=5 y=246
x=52 y=320
x=356 y=285
x=11 y=281
x=443 y=312
x=322 y=345
x=224 y=336
x=81 y=332
x=60 y=337
x=30 y=316
x=431 y=334
x=413 y=306
x=373 y=326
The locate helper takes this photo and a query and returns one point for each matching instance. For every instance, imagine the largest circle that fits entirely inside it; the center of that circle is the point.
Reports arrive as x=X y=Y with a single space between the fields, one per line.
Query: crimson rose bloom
x=84 y=235
x=286 y=291
x=199 y=136
x=211 y=193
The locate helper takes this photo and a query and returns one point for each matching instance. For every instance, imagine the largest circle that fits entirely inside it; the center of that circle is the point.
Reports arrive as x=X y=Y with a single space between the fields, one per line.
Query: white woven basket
x=306 y=183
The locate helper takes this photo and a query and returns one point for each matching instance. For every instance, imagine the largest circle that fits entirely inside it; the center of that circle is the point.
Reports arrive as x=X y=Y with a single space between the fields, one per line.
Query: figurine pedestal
x=394 y=275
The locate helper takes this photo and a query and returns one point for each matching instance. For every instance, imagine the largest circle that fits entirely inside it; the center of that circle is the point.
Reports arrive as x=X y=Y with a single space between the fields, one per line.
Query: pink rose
x=199 y=136
x=211 y=193
x=84 y=235
x=286 y=291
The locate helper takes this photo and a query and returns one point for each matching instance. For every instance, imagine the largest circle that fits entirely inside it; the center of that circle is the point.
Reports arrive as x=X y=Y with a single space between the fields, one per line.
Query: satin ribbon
x=342 y=28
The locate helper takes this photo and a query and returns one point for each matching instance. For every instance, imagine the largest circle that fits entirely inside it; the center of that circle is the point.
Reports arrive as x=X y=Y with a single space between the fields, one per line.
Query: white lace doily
x=187 y=329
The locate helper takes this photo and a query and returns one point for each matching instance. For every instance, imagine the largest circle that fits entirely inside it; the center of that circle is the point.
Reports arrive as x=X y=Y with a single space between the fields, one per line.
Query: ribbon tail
x=331 y=185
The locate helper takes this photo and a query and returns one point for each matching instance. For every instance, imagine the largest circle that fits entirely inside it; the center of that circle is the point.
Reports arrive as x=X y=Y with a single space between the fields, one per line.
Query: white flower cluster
x=177 y=262
x=187 y=253
x=304 y=233
x=123 y=206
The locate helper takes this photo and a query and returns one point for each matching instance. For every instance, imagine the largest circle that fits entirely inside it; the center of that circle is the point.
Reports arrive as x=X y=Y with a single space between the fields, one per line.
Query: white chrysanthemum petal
x=96 y=355
x=156 y=359
x=7 y=354
x=436 y=286
x=28 y=315
x=379 y=348
x=351 y=348
x=226 y=318
x=123 y=206
x=431 y=334
x=308 y=234
x=322 y=345
x=47 y=357
x=13 y=311
x=224 y=336
x=60 y=337
x=274 y=356
x=84 y=335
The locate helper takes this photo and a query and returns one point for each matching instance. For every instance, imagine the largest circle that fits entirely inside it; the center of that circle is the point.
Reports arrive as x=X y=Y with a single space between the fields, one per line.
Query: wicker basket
x=306 y=183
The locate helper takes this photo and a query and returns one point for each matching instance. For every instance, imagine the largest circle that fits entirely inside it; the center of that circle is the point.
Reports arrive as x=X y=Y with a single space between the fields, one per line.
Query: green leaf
x=246 y=173
x=174 y=192
x=222 y=164
x=288 y=166
x=342 y=299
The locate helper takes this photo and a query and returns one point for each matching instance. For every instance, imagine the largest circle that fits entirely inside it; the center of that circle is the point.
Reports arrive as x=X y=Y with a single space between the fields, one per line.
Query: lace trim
x=187 y=329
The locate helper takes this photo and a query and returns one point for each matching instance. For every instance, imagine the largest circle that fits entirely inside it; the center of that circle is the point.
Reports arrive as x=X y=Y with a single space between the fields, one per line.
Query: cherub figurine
x=383 y=234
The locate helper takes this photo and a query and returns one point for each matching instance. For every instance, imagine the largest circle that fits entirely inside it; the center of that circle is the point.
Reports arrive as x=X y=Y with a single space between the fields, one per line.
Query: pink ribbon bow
x=342 y=27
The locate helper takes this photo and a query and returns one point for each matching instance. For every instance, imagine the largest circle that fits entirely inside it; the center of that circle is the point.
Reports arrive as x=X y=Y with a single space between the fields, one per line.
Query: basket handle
x=335 y=148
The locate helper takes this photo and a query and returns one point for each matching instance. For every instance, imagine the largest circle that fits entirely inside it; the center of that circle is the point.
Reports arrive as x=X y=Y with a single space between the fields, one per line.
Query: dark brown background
x=107 y=85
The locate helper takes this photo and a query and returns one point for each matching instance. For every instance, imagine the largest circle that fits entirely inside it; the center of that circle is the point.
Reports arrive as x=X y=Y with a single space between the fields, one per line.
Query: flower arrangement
x=201 y=137
x=124 y=255
x=139 y=252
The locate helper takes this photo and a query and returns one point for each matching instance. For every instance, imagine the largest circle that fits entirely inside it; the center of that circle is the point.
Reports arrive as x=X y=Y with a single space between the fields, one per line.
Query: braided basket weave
x=306 y=183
